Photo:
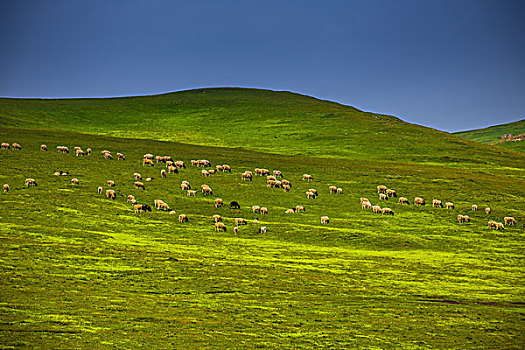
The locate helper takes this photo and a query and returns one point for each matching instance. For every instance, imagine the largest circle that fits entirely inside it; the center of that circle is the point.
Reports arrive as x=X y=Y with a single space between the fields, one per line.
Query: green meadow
x=79 y=270
x=491 y=135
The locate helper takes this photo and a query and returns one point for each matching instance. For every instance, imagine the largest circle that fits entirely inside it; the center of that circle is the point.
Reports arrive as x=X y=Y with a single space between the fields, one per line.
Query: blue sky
x=452 y=65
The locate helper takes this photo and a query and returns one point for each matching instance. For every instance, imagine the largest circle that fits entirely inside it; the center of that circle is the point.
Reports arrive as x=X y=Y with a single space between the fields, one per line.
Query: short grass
x=80 y=271
x=491 y=135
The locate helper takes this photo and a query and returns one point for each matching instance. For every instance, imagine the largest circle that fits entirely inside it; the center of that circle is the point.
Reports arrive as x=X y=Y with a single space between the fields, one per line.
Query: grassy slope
x=277 y=122
x=78 y=269
x=491 y=135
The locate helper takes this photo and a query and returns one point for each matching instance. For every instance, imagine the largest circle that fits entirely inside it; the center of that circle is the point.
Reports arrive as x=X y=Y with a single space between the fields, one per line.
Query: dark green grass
x=491 y=135
x=261 y=120
x=79 y=270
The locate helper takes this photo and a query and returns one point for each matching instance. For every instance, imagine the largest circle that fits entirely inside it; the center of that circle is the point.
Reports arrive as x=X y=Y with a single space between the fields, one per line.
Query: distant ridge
x=509 y=135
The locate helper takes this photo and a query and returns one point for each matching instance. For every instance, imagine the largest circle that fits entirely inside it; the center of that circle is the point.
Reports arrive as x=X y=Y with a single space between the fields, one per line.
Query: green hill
x=262 y=120
x=494 y=135
x=79 y=270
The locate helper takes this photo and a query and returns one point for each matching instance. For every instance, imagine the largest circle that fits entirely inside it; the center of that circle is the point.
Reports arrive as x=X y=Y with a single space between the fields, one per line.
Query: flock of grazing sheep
x=273 y=180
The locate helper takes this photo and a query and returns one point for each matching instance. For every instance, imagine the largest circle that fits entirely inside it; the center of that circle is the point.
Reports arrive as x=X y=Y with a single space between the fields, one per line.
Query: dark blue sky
x=452 y=65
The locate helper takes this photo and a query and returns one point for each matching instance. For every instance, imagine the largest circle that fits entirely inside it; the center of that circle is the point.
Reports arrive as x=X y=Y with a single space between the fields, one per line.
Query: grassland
x=491 y=135
x=82 y=271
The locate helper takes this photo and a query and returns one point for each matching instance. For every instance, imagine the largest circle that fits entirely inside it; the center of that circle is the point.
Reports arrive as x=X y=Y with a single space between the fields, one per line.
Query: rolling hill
x=508 y=135
x=261 y=120
x=79 y=270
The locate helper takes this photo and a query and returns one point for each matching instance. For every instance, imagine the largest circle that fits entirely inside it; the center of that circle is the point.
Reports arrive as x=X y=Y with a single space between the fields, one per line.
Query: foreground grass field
x=79 y=270
x=82 y=271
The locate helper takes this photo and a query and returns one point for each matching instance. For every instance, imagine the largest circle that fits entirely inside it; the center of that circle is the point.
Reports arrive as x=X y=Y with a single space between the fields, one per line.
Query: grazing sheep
x=366 y=205
x=234 y=205
x=147 y=161
x=509 y=220
x=139 y=208
x=449 y=205
x=219 y=167
x=120 y=156
x=99 y=190
x=88 y=151
x=156 y=202
x=130 y=197
x=463 y=218
x=236 y=229
x=139 y=185
x=79 y=152
x=310 y=194
x=325 y=220
x=171 y=170
x=286 y=188
x=391 y=193
x=219 y=226
x=191 y=193
x=162 y=173
x=286 y=182
x=263 y=172
x=169 y=163
x=183 y=218
x=137 y=176
x=256 y=209
x=308 y=177
x=75 y=181
x=383 y=197
x=299 y=208
x=226 y=168
x=247 y=175
x=62 y=149
x=277 y=173
x=57 y=173
x=164 y=206
x=264 y=210
x=207 y=191
x=403 y=200
x=332 y=189
x=387 y=211
x=172 y=212
x=180 y=164
x=16 y=146
x=381 y=189
x=240 y=221
x=376 y=209
x=218 y=203
x=43 y=147
x=339 y=190
x=499 y=226
x=6 y=187
x=111 y=183
x=184 y=186
x=205 y=173
x=212 y=172
x=271 y=177
x=149 y=179
x=289 y=211
x=111 y=194
x=262 y=229
x=30 y=182
x=217 y=218
x=474 y=207
x=5 y=145
x=148 y=156
x=487 y=211
x=491 y=224
x=364 y=199
x=436 y=203
x=419 y=201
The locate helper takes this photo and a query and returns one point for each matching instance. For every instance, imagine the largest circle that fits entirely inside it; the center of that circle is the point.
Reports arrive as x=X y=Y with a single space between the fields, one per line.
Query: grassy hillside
x=79 y=270
x=262 y=120
x=492 y=135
